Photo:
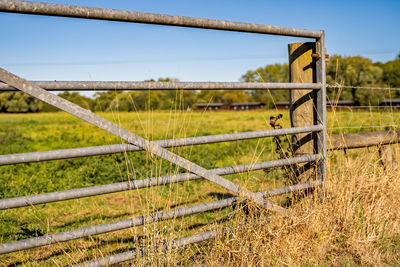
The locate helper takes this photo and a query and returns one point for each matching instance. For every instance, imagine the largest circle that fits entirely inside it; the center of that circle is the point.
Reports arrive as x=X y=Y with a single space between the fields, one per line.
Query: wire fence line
x=337 y=85
x=362 y=127
x=367 y=107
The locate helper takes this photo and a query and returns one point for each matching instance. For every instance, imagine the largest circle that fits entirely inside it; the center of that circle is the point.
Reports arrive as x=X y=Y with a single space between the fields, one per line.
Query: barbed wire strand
x=337 y=85
x=363 y=107
x=361 y=127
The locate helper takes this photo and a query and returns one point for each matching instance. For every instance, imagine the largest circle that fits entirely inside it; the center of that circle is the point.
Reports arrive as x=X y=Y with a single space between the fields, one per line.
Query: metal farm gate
x=41 y=90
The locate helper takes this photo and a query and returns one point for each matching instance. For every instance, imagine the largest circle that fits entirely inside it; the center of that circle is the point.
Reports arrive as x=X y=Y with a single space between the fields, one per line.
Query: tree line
x=350 y=71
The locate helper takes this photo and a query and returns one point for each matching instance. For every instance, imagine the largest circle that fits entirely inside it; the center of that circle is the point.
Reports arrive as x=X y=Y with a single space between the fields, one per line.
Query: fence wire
x=337 y=85
x=362 y=127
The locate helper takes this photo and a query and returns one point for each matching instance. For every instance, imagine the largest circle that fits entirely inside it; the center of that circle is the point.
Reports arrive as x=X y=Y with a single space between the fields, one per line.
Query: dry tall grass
x=357 y=222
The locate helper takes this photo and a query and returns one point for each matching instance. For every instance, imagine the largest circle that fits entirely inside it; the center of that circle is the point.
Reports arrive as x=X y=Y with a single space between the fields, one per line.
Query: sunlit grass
x=308 y=238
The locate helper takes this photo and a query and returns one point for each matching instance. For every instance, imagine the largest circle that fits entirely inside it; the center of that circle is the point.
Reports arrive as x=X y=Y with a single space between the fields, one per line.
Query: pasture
x=354 y=178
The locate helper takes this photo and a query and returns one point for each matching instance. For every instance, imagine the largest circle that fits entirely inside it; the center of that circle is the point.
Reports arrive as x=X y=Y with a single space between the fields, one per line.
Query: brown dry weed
x=357 y=222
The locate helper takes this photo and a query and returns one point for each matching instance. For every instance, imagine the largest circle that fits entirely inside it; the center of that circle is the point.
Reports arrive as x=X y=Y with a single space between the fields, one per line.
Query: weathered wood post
x=302 y=69
x=387 y=157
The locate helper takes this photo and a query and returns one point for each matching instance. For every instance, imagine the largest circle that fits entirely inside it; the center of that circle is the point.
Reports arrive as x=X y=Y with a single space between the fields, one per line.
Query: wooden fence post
x=386 y=157
x=302 y=69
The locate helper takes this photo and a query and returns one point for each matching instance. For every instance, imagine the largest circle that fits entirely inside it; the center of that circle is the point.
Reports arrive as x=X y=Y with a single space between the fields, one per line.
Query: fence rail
x=360 y=140
x=121 y=148
x=138 y=86
x=40 y=90
x=37 y=8
x=138 y=253
x=138 y=221
x=24 y=201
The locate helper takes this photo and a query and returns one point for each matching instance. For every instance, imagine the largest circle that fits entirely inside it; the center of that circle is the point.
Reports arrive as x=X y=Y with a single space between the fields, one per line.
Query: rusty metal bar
x=138 y=86
x=38 y=8
x=132 y=138
x=136 y=221
x=17 y=202
x=120 y=148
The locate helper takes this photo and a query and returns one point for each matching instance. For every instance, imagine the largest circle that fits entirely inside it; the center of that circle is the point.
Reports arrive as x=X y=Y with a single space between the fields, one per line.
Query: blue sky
x=52 y=48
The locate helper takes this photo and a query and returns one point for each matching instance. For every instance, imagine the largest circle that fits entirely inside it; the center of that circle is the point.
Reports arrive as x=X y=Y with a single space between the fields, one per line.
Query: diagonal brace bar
x=132 y=138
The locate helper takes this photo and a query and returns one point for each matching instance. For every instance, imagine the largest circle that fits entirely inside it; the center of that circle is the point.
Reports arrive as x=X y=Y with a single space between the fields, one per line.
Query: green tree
x=354 y=71
x=146 y=99
x=102 y=100
x=222 y=96
x=132 y=101
x=73 y=97
x=391 y=73
x=269 y=73
x=19 y=102
x=349 y=71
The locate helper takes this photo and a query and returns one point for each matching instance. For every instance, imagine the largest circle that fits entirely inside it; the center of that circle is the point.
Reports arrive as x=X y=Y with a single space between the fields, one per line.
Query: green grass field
x=47 y=131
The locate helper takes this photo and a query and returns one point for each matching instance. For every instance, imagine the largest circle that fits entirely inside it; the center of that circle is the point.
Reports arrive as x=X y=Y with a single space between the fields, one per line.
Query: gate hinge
x=316 y=55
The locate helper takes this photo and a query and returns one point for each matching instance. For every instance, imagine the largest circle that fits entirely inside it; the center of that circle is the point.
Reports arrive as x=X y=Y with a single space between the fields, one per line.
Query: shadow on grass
x=135 y=242
x=81 y=221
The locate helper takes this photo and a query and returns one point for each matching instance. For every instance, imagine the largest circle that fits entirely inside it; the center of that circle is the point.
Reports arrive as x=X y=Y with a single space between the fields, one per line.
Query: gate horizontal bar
x=38 y=8
x=114 y=226
x=134 y=254
x=139 y=86
x=131 y=138
x=121 y=148
x=291 y=188
x=17 y=202
x=136 y=221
